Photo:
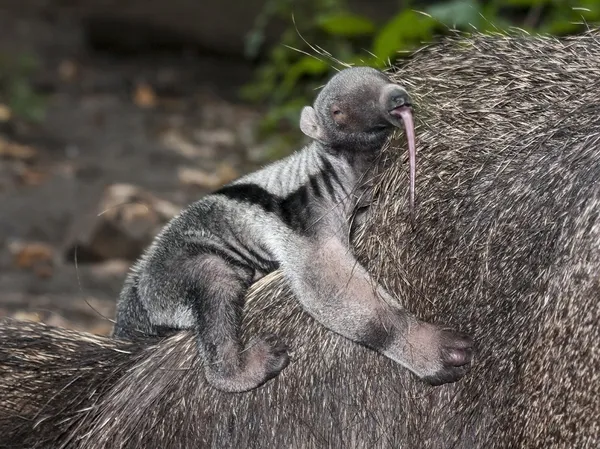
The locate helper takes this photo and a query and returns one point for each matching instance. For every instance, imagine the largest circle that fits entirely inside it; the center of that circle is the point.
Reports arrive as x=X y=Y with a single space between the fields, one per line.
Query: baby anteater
x=294 y=214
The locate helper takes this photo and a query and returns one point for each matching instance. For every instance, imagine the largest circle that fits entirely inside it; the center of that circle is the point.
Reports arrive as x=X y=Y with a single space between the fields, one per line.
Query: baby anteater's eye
x=338 y=115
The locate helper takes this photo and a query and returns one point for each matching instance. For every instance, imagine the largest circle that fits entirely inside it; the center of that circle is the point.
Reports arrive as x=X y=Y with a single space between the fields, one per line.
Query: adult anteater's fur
x=507 y=244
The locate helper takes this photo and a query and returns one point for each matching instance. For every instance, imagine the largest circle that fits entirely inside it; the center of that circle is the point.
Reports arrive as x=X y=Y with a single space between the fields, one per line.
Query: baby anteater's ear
x=309 y=124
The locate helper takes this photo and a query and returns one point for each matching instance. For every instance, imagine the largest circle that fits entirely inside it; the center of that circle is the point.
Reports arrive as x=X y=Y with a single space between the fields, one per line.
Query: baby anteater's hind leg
x=216 y=294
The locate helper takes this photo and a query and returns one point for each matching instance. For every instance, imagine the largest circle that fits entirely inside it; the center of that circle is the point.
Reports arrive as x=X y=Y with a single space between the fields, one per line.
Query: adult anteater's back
x=507 y=245
x=509 y=236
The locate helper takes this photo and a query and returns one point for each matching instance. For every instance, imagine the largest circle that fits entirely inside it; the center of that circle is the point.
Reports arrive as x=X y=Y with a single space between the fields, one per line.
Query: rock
x=102 y=328
x=121 y=226
x=27 y=316
x=28 y=176
x=205 y=180
x=115 y=268
x=57 y=320
x=67 y=70
x=35 y=256
x=13 y=150
x=216 y=137
x=144 y=96
x=5 y=113
x=175 y=141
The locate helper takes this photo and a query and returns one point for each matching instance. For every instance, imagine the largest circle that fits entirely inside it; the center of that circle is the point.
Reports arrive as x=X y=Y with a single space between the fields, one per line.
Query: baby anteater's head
x=356 y=110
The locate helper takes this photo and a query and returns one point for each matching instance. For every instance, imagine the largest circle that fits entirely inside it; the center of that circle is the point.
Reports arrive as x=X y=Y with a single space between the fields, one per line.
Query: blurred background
x=115 y=114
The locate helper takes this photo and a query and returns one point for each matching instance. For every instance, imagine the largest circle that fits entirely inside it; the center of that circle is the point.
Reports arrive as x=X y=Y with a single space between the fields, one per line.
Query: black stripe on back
x=314 y=185
x=328 y=184
x=293 y=209
x=329 y=174
x=251 y=194
x=329 y=170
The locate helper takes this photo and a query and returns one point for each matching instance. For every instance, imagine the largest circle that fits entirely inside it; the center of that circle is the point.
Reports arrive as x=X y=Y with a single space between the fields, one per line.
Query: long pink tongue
x=409 y=128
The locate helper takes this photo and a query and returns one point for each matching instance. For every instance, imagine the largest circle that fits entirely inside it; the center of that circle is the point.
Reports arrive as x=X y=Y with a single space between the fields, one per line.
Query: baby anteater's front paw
x=455 y=355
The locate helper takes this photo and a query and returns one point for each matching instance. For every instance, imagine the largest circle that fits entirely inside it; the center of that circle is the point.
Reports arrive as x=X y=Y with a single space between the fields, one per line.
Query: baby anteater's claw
x=263 y=359
x=275 y=355
x=456 y=354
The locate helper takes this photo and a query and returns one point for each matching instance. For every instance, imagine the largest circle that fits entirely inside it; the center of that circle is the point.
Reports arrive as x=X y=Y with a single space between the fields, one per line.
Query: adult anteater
x=507 y=244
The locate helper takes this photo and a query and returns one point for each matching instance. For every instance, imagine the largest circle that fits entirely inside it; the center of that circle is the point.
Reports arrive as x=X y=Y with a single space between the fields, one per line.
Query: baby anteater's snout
x=397 y=98
x=394 y=97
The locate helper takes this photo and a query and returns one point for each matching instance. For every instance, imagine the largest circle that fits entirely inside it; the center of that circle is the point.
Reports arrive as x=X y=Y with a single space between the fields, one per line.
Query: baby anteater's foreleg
x=335 y=289
x=215 y=292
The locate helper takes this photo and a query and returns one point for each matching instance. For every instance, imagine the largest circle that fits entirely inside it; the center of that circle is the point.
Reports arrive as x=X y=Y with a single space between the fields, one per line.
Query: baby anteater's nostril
x=398 y=98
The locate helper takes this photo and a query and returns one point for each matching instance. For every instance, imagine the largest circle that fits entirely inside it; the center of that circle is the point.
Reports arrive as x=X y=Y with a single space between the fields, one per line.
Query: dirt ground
x=167 y=123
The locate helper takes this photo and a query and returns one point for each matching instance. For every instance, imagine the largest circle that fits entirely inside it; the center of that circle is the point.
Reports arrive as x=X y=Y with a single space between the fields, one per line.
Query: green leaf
x=253 y=43
x=288 y=113
x=495 y=24
x=346 y=25
x=562 y=20
x=401 y=33
x=27 y=63
x=307 y=65
x=589 y=10
x=365 y=59
x=24 y=102
x=526 y=2
x=560 y=28
x=457 y=13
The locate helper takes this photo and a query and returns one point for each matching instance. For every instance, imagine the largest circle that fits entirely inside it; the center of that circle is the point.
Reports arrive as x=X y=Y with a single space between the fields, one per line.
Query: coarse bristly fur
x=294 y=214
x=507 y=241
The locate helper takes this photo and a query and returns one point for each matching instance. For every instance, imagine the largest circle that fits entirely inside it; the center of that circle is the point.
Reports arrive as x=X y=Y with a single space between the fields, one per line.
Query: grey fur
x=294 y=214
x=507 y=241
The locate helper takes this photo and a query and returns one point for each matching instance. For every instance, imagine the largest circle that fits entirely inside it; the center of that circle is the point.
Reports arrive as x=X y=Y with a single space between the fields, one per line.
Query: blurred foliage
x=16 y=89
x=286 y=80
